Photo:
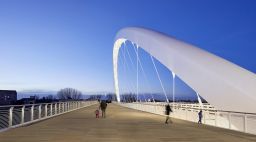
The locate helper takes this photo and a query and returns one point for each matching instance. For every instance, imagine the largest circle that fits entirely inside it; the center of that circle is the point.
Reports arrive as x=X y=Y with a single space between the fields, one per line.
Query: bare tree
x=69 y=94
x=37 y=97
x=50 y=97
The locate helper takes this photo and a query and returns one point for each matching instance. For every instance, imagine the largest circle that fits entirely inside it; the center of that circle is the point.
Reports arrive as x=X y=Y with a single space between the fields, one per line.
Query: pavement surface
x=120 y=125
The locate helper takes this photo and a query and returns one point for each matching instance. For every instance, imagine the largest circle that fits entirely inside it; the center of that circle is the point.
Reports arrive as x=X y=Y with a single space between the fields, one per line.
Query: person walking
x=97 y=113
x=200 y=116
x=103 y=107
x=167 y=112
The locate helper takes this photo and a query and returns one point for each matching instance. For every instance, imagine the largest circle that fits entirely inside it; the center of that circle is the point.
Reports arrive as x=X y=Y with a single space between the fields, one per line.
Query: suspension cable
x=173 y=88
x=130 y=58
x=133 y=68
x=125 y=63
x=159 y=78
x=145 y=76
x=122 y=55
x=137 y=73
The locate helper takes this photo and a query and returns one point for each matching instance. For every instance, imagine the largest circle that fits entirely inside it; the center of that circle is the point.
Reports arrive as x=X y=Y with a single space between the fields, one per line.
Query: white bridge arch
x=223 y=84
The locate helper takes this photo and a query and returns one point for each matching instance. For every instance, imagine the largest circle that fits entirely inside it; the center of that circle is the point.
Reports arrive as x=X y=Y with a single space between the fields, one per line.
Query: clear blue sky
x=51 y=44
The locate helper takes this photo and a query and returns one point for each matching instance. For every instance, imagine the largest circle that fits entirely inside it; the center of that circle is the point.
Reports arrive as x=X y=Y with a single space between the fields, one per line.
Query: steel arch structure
x=223 y=84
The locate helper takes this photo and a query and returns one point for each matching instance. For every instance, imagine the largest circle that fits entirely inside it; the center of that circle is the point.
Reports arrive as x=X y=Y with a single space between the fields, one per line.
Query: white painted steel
x=39 y=111
x=31 y=107
x=32 y=113
x=244 y=122
x=223 y=84
x=10 y=116
x=22 y=114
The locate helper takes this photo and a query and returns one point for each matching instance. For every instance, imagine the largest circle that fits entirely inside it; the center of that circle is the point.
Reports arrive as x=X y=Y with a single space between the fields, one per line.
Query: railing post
x=10 y=116
x=22 y=115
x=32 y=113
x=55 y=108
x=66 y=106
x=204 y=116
x=39 y=111
x=245 y=123
x=229 y=120
x=186 y=110
x=216 y=118
x=45 y=110
x=51 y=109
x=60 y=106
x=63 y=108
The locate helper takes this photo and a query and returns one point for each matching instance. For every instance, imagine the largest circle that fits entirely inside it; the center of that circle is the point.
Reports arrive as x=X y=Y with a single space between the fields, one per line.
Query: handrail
x=12 y=116
x=238 y=121
x=36 y=104
x=212 y=109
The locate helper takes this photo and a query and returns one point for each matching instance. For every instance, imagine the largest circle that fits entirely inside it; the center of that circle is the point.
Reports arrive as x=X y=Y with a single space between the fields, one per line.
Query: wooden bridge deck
x=121 y=125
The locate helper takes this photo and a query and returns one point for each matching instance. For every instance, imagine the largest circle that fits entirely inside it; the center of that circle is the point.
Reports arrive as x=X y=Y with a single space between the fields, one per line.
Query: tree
x=69 y=94
x=50 y=97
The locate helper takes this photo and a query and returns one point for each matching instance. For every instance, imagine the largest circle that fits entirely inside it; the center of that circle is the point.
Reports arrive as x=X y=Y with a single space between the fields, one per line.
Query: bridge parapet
x=13 y=116
x=238 y=121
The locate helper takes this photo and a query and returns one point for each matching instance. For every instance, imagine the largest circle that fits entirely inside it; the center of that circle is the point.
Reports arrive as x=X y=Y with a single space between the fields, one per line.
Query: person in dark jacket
x=200 y=116
x=103 y=107
x=167 y=112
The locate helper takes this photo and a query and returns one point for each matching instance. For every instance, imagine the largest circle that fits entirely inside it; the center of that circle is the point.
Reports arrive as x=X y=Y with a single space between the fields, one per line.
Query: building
x=30 y=100
x=8 y=97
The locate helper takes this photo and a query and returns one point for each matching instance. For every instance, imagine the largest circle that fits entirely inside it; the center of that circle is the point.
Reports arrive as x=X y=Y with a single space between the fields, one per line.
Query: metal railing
x=238 y=121
x=18 y=115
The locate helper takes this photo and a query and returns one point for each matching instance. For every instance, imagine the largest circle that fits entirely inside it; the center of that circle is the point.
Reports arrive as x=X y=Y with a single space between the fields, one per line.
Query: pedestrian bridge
x=122 y=124
x=228 y=88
